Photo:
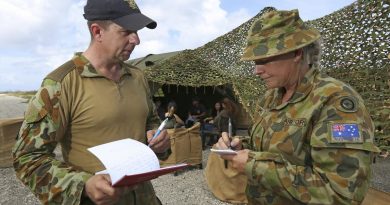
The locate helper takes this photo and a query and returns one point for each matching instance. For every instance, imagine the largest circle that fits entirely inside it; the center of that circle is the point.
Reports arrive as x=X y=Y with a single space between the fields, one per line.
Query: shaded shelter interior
x=183 y=95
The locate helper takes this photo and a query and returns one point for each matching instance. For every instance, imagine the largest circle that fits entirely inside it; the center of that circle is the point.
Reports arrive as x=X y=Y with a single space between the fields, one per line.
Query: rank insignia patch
x=347 y=104
x=341 y=132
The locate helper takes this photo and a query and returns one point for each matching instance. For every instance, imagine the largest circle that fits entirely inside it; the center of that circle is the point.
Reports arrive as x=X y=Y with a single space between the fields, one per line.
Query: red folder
x=129 y=180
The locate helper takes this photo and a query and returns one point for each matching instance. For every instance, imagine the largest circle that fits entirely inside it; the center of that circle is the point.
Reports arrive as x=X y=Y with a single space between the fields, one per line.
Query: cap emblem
x=132 y=4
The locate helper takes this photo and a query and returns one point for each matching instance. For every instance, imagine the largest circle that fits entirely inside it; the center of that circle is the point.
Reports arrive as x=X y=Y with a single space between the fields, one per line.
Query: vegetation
x=22 y=94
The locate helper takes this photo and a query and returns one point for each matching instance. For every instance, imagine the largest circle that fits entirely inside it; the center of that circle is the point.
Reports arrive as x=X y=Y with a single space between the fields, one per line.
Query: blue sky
x=39 y=35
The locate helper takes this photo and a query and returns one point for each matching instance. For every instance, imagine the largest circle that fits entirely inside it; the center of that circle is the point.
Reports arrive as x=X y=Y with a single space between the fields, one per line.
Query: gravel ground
x=187 y=188
x=381 y=174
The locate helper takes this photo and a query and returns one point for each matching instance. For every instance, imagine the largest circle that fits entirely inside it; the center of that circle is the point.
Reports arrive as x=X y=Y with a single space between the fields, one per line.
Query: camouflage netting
x=355 y=48
x=189 y=70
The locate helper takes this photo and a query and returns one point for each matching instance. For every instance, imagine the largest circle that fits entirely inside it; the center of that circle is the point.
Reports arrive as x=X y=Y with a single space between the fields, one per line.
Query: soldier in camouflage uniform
x=92 y=99
x=312 y=141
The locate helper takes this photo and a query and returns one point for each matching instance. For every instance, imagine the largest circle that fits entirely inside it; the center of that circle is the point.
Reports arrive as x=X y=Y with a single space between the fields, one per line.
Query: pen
x=230 y=132
x=160 y=128
x=230 y=138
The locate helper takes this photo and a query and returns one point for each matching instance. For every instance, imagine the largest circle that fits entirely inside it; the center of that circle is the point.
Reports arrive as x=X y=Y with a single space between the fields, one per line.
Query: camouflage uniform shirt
x=78 y=108
x=314 y=149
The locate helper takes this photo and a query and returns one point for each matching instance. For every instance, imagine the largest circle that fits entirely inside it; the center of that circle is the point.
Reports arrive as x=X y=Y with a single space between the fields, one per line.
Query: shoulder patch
x=345 y=133
x=347 y=104
x=59 y=73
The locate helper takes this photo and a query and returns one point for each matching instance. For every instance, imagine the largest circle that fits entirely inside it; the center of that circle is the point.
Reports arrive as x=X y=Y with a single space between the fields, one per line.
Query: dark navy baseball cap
x=125 y=13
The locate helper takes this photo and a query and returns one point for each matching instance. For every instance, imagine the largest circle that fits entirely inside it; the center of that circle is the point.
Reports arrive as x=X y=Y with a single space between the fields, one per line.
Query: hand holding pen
x=162 y=142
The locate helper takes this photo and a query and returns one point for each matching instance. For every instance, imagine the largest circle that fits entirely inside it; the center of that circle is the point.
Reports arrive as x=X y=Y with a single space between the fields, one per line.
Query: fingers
x=236 y=144
x=223 y=141
x=158 y=139
x=161 y=142
x=105 y=185
x=98 y=188
x=149 y=134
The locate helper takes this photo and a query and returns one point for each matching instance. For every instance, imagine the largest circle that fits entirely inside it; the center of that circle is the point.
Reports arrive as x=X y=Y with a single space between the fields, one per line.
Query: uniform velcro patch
x=343 y=132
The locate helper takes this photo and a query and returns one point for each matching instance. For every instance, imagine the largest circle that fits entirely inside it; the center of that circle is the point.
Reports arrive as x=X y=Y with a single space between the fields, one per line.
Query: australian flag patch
x=341 y=132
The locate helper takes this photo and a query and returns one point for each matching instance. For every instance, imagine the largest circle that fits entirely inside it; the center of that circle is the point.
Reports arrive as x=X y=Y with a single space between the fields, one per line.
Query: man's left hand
x=159 y=144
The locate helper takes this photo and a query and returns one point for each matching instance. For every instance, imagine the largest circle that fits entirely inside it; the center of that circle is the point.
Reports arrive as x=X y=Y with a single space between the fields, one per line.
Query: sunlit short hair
x=312 y=54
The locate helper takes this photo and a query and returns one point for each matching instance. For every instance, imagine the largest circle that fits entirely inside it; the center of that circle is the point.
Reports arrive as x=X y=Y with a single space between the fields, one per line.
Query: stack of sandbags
x=9 y=129
x=186 y=146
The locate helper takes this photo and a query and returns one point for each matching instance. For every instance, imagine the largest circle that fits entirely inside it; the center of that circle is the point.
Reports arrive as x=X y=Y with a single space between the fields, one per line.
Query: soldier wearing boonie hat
x=277 y=33
x=313 y=140
x=92 y=99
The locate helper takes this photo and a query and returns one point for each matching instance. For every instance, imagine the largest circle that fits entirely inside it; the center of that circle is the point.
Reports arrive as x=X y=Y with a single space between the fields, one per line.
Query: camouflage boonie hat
x=276 y=33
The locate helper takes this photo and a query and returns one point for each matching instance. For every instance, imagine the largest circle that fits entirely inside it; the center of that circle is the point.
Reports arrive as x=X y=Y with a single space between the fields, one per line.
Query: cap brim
x=135 y=22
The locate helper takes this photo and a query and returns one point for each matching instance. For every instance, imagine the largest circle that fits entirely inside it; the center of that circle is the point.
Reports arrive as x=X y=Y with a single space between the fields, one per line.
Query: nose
x=134 y=39
x=259 y=69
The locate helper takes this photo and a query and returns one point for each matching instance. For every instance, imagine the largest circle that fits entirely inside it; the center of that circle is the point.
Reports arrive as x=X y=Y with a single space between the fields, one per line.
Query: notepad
x=129 y=162
x=223 y=151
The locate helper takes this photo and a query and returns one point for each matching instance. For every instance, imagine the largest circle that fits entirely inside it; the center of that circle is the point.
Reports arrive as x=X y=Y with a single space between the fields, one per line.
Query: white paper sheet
x=125 y=157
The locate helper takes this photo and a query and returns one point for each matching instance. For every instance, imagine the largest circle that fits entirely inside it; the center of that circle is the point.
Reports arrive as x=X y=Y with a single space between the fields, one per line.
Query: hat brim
x=308 y=37
x=135 y=22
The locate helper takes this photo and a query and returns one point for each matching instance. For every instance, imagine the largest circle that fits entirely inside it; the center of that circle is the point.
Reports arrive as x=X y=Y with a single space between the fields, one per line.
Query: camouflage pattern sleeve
x=245 y=141
x=335 y=170
x=52 y=181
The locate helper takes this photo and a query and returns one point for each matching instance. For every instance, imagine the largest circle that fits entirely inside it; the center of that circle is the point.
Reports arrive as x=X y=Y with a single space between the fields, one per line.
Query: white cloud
x=185 y=24
x=39 y=35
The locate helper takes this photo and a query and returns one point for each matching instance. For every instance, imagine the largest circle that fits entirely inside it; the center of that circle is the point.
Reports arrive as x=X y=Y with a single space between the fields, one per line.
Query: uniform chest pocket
x=286 y=135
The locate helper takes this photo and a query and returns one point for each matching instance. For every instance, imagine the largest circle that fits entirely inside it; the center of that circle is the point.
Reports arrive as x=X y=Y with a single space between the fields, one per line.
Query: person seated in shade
x=214 y=112
x=221 y=121
x=196 y=113
x=174 y=120
x=209 y=126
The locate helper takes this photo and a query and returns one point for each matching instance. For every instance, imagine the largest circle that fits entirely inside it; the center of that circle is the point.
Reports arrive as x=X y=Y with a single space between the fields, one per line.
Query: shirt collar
x=86 y=69
x=303 y=89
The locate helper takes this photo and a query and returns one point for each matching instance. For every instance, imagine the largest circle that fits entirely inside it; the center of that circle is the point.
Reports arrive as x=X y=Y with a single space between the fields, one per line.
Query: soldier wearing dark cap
x=92 y=99
x=312 y=142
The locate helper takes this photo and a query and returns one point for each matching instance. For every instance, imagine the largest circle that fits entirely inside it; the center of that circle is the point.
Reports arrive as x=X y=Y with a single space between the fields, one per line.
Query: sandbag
x=229 y=186
x=9 y=129
x=225 y=183
x=186 y=146
x=376 y=197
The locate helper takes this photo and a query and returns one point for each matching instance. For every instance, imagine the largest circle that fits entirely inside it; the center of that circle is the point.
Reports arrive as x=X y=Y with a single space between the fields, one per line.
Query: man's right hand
x=98 y=188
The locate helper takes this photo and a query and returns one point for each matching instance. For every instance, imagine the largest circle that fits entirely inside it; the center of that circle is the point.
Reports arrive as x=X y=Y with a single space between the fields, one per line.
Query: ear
x=298 y=55
x=96 y=32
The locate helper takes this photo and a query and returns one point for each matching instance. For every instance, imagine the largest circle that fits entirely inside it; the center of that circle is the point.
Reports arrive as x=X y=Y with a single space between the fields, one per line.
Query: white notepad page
x=125 y=157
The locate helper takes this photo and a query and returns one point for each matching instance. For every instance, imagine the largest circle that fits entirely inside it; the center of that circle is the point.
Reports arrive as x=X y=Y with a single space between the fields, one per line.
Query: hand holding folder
x=130 y=162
